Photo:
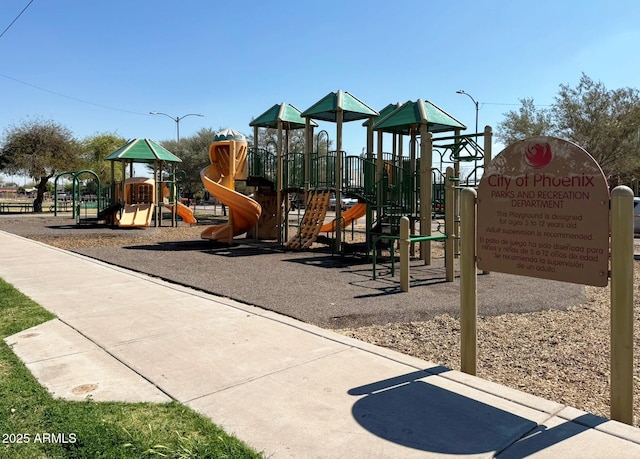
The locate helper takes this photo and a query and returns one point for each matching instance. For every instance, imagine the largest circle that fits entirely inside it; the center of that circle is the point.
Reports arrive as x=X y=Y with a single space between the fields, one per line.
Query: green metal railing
x=393 y=239
x=262 y=163
x=293 y=170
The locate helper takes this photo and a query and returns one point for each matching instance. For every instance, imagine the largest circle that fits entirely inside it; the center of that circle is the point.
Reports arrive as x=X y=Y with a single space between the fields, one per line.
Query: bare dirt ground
x=561 y=356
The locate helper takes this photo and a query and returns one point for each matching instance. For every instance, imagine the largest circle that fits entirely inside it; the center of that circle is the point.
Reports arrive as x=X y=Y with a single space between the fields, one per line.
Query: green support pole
x=338 y=180
x=279 y=211
x=426 y=195
x=449 y=225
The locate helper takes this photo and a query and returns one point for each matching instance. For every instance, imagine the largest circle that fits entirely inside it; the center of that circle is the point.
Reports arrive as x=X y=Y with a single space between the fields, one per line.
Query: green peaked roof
x=143 y=151
x=384 y=112
x=286 y=113
x=412 y=114
x=327 y=107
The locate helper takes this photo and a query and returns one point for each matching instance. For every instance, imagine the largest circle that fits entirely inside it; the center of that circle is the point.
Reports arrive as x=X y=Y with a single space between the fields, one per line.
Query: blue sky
x=102 y=65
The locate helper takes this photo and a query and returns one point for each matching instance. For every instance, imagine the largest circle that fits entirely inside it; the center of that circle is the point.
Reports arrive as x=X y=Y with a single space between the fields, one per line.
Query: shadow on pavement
x=412 y=411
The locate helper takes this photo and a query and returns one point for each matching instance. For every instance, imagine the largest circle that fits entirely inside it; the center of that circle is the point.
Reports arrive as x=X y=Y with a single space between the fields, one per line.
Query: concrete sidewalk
x=286 y=388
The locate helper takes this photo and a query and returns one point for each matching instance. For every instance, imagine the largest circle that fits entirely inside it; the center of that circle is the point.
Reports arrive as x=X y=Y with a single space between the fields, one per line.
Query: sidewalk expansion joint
x=265 y=375
x=119 y=360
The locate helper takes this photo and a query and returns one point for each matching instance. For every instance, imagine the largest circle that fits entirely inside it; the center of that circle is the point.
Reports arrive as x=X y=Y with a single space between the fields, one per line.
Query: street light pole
x=177 y=120
x=475 y=102
x=475 y=147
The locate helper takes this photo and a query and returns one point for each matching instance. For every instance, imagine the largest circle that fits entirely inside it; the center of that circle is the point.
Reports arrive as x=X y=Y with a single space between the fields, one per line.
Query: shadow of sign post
x=417 y=411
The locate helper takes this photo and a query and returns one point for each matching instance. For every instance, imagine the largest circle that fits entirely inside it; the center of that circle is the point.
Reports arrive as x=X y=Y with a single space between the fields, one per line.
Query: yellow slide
x=135 y=215
x=244 y=212
x=356 y=211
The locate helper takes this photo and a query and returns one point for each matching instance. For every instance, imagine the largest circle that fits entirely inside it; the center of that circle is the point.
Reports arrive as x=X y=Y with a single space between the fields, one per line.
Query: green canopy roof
x=352 y=108
x=412 y=114
x=143 y=151
x=384 y=112
x=286 y=113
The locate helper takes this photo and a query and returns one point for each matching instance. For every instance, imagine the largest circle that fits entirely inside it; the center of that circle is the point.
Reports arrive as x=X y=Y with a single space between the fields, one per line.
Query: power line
x=59 y=94
x=17 y=17
x=54 y=92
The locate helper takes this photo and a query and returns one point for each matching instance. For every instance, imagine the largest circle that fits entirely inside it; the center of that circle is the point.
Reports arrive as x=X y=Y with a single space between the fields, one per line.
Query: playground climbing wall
x=312 y=222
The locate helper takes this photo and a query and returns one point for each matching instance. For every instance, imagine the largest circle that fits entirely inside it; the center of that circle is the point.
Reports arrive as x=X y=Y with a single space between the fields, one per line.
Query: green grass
x=91 y=429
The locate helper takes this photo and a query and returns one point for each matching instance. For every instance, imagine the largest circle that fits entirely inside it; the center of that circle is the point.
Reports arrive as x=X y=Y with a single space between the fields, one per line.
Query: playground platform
x=287 y=388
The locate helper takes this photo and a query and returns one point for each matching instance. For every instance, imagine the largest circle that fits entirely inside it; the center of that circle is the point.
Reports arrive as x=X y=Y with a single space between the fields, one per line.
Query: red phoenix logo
x=538 y=155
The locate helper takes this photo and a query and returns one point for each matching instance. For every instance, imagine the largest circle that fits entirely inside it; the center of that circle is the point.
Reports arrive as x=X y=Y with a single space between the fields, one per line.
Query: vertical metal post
x=279 y=177
x=426 y=191
x=404 y=254
x=308 y=169
x=413 y=180
x=622 y=304
x=338 y=179
x=112 y=198
x=456 y=201
x=157 y=184
x=449 y=224
x=468 y=281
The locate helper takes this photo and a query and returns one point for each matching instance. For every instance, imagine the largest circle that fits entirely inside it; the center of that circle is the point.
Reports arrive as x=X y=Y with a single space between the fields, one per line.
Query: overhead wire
x=71 y=97
x=54 y=92
x=16 y=18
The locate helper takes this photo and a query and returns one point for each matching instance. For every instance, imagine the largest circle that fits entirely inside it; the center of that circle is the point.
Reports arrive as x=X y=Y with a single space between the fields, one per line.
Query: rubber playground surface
x=314 y=286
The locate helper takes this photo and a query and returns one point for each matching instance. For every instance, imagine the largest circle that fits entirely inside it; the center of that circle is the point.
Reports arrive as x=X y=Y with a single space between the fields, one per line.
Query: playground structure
x=139 y=202
x=132 y=201
x=228 y=157
x=183 y=211
x=143 y=199
x=387 y=185
x=355 y=212
x=76 y=195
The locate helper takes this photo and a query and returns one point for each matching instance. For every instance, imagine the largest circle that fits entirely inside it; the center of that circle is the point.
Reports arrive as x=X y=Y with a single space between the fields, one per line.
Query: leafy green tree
x=268 y=139
x=96 y=148
x=39 y=149
x=528 y=121
x=194 y=153
x=604 y=122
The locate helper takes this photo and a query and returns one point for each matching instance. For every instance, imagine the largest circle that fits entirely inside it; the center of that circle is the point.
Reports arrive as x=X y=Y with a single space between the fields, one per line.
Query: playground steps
x=314 y=215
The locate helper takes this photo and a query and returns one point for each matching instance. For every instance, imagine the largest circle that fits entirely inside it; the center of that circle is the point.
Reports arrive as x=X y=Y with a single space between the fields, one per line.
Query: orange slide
x=356 y=211
x=183 y=211
x=244 y=212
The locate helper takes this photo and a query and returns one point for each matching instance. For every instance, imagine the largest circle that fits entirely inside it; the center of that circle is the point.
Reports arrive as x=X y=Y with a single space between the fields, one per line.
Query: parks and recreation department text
x=541 y=199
